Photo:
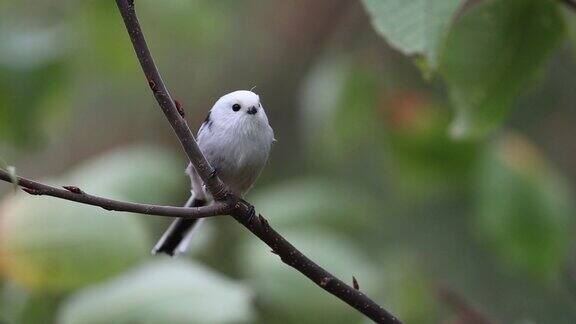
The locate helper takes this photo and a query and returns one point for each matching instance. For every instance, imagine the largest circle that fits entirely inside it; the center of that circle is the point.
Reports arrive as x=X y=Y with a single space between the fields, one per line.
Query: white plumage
x=236 y=139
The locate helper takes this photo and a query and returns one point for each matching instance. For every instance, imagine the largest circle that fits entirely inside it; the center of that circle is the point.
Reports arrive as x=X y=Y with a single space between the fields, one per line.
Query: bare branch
x=167 y=103
x=75 y=194
x=260 y=227
x=242 y=212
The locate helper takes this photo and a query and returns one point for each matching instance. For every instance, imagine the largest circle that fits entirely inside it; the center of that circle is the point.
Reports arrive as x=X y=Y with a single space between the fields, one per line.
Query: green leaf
x=413 y=27
x=490 y=55
x=524 y=209
x=168 y=291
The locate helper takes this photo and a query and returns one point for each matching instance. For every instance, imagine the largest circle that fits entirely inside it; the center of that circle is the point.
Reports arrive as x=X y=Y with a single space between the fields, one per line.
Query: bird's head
x=239 y=107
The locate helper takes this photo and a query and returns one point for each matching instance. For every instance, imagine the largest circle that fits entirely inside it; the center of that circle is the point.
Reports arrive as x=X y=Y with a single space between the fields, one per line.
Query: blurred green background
x=424 y=147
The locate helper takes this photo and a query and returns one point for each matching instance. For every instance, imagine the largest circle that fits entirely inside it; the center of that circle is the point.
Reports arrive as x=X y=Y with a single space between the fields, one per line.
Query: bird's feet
x=251 y=211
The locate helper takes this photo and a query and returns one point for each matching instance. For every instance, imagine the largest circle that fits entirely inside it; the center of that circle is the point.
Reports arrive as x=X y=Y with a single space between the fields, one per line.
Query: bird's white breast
x=237 y=151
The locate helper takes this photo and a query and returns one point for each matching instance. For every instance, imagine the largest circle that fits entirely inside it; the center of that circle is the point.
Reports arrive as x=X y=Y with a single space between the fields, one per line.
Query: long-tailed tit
x=236 y=139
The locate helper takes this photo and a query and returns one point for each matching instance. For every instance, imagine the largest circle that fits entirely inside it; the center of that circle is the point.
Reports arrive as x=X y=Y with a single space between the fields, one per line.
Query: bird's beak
x=252 y=110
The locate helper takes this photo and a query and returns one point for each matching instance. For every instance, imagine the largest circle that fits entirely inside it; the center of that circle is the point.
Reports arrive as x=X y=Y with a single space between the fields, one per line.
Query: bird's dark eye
x=236 y=107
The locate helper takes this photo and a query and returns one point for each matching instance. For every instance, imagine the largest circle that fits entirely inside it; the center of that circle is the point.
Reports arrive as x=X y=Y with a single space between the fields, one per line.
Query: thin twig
x=77 y=195
x=465 y=311
x=242 y=211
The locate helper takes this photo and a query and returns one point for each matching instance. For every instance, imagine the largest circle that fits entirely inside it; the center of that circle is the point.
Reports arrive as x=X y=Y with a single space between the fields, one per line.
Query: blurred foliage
x=423 y=151
x=31 y=89
x=404 y=158
x=414 y=27
x=44 y=257
x=290 y=299
x=511 y=41
x=65 y=256
x=162 y=291
x=408 y=289
x=17 y=305
x=349 y=90
x=512 y=38
x=524 y=208
x=315 y=202
x=129 y=173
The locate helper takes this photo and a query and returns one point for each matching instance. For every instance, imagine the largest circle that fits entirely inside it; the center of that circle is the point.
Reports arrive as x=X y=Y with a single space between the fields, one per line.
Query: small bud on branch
x=355 y=283
x=73 y=189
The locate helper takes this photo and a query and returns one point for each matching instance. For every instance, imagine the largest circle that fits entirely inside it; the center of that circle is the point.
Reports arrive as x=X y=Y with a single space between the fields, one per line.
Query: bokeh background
x=430 y=154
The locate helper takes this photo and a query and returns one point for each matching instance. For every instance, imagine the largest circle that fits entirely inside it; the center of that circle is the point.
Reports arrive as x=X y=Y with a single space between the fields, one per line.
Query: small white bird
x=235 y=138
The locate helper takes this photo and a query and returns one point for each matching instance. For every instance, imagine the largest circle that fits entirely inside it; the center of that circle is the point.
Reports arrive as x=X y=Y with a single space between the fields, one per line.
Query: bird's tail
x=176 y=238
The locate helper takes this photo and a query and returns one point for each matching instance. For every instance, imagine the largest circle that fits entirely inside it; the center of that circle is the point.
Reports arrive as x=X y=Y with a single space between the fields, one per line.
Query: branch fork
x=225 y=202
